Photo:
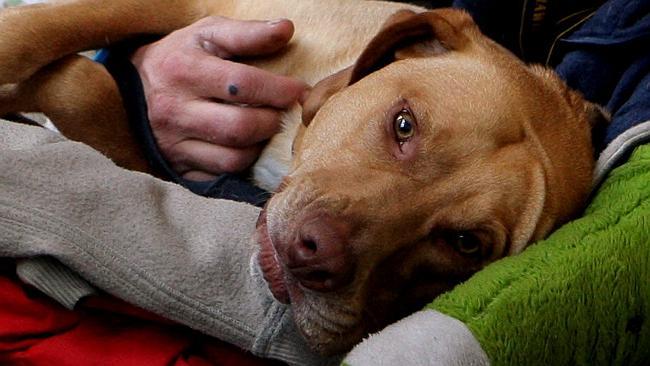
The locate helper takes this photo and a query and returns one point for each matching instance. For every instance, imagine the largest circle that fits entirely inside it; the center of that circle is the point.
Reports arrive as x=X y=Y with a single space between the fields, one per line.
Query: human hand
x=210 y=114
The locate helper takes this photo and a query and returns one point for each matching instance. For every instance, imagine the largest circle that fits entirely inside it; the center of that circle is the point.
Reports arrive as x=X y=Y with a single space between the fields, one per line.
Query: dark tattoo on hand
x=233 y=89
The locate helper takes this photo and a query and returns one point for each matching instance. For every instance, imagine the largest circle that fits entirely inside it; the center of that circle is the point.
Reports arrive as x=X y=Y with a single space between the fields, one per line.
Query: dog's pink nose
x=319 y=258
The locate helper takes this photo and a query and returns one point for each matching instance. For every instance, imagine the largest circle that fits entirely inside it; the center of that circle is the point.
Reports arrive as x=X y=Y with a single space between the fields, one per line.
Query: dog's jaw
x=269 y=264
x=330 y=327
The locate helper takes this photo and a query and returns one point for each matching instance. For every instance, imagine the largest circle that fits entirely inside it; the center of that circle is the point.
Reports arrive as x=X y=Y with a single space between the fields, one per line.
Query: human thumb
x=226 y=38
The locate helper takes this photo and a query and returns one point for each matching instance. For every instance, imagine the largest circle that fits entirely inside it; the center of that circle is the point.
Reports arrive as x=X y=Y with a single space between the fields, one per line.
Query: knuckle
x=178 y=156
x=210 y=20
x=175 y=67
x=166 y=144
x=162 y=111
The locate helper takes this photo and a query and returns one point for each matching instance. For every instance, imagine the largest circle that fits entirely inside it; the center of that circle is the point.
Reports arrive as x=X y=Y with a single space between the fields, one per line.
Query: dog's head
x=437 y=153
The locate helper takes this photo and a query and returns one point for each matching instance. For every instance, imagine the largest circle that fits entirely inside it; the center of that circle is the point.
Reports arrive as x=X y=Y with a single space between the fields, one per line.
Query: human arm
x=151 y=243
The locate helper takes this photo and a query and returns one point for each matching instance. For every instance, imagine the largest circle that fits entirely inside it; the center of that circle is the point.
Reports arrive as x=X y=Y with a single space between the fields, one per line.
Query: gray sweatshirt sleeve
x=151 y=243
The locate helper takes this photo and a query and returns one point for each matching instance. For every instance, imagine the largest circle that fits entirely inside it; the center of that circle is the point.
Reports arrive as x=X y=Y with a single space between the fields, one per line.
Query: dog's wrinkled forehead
x=404 y=35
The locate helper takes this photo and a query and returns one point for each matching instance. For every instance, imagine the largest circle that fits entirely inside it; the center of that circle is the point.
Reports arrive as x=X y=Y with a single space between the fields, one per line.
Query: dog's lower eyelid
x=464 y=242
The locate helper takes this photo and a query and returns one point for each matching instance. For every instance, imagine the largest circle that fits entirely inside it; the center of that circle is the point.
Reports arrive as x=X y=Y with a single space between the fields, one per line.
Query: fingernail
x=304 y=96
x=275 y=21
x=209 y=47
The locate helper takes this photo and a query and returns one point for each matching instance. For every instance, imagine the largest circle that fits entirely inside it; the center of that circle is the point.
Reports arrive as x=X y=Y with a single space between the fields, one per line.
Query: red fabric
x=34 y=330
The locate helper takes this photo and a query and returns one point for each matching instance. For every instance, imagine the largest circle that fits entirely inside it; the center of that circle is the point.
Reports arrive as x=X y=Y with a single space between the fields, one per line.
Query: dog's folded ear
x=322 y=91
x=405 y=34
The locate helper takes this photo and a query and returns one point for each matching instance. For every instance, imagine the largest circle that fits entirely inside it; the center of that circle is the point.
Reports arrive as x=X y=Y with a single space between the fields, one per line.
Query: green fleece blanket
x=581 y=297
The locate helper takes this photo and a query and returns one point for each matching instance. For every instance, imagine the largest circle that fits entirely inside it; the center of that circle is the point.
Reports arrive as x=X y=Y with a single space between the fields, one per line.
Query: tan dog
x=434 y=154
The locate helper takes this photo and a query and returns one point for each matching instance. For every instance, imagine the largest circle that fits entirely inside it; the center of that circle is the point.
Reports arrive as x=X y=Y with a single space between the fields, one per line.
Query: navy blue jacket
x=608 y=60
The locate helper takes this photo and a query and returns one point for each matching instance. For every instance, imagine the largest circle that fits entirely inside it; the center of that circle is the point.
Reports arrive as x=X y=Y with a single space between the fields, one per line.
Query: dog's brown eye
x=465 y=242
x=404 y=125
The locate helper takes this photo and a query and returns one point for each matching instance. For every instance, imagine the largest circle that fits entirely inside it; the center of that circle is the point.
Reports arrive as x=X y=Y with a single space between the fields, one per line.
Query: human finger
x=226 y=124
x=198 y=176
x=227 y=38
x=189 y=155
x=240 y=83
